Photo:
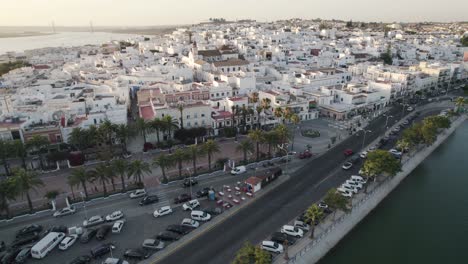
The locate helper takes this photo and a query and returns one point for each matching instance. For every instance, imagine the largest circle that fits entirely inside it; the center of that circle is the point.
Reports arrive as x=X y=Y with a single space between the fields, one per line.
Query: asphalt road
x=269 y=212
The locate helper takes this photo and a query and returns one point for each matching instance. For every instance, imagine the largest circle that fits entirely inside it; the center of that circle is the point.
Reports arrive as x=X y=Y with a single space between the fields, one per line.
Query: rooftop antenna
x=53 y=26
x=91 y=26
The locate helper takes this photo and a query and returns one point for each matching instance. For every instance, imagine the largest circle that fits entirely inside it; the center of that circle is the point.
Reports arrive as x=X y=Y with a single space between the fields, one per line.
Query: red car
x=348 y=152
x=305 y=154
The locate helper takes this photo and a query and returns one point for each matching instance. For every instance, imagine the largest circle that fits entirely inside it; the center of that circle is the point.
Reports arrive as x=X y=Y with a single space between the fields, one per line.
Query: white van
x=238 y=170
x=45 y=245
x=200 y=216
x=358 y=178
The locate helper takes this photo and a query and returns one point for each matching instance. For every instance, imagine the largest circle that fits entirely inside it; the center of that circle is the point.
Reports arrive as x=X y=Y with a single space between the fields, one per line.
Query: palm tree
x=164 y=162
x=266 y=103
x=244 y=147
x=283 y=133
x=25 y=181
x=194 y=152
x=181 y=108
x=170 y=124
x=404 y=145
x=179 y=156
x=123 y=132
x=78 y=138
x=257 y=136
x=138 y=169
x=258 y=109
x=210 y=147
x=8 y=193
x=20 y=151
x=459 y=103
x=254 y=97
x=141 y=127
x=270 y=138
x=38 y=143
x=5 y=150
x=106 y=131
x=120 y=167
x=157 y=125
x=278 y=113
x=295 y=120
x=287 y=113
x=51 y=196
x=78 y=177
x=312 y=214
x=101 y=174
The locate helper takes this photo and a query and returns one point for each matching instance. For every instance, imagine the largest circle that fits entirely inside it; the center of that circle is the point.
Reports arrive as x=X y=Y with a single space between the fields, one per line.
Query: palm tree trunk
x=5 y=165
x=73 y=193
x=258 y=153
x=113 y=183
x=144 y=136
x=180 y=168
x=245 y=157
x=85 y=189
x=30 y=205
x=122 y=178
x=104 y=187
x=23 y=162
x=163 y=170
x=269 y=150
x=157 y=136
x=41 y=163
x=209 y=161
x=194 y=160
x=139 y=179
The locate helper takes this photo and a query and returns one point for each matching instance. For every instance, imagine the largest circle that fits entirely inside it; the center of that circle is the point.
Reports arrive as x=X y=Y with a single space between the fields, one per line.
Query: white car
x=138 y=193
x=153 y=244
x=345 y=192
x=372 y=148
x=65 y=211
x=358 y=178
x=93 y=220
x=272 y=247
x=165 y=210
x=347 y=165
x=114 y=216
x=396 y=129
x=301 y=225
x=238 y=170
x=395 y=152
x=67 y=242
x=323 y=205
x=190 y=222
x=409 y=109
x=115 y=261
x=190 y=205
x=355 y=184
x=363 y=154
x=200 y=216
x=117 y=227
x=349 y=188
x=292 y=231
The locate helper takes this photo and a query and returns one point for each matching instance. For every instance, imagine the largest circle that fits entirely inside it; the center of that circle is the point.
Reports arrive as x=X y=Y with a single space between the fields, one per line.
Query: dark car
x=213 y=211
x=23 y=255
x=168 y=236
x=203 y=192
x=185 y=197
x=26 y=239
x=149 y=199
x=180 y=229
x=188 y=182
x=88 y=235
x=136 y=253
x=85 y=259
x=302 y=218
x=9 y=257
x=102 y=250
x=280 y=238
x=59 y=229
x=103 y=231
x=348 y=152
x=354 y=159
x=30 y=229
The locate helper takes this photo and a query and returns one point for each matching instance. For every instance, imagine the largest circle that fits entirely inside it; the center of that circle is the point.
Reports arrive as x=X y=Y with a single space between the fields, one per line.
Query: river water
x=424 y=220
x=61 y=39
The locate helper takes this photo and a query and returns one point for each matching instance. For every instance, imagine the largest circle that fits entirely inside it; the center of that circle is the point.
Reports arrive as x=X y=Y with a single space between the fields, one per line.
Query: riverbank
x=329 y=233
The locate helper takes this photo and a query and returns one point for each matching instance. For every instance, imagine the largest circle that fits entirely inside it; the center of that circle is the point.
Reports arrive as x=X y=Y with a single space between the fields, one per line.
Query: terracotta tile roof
x=146 y=112
x=231 y=62
x=253 y=180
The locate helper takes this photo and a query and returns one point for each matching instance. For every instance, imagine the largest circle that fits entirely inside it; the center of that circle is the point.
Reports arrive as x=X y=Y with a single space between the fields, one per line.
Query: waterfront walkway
x=335 y=227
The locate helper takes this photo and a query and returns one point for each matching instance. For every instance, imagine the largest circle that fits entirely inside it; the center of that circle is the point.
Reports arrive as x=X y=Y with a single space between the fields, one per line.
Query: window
x=203 y=122
x=195 y=115
x=202 y=115
x=188 y=124
x=188 y=116
x=196 y=123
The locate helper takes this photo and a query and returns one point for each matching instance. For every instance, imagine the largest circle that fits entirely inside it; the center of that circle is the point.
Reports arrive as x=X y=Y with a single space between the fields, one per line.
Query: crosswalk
x=163 y=199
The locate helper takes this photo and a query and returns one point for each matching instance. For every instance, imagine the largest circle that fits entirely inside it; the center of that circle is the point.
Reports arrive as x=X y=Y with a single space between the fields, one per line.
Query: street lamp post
x=84 y=204
x=386 y=120
x=364 y=138
x=285 y=148
x=190 y=181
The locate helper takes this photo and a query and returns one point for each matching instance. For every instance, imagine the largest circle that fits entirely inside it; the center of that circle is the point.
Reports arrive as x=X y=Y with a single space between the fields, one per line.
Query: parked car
x=117 y=227
x=85 y=259
x=344 y=192
x=292 y=231
x=272 y=247
x=58 y=229
x=149 y=199
x=347 y=165
x=213 y=211
x=114 y=216
x=180 y=229
x=101 y=250
x=136 y=253
x=363 y=154
x=281 y=238
x=93 y=220
x=409 y=109
x=65 y=211
x=200 y=216
x=203 y=192
x=88 y=235
x=28 y=230
x=190 y=222
x=189 y=182
x=25 y=239
x=190 y=205
x=103 y=231
x=165 y=210
x=67 y=242
x=358 y=178
x=23 y=255
x=349 y=188
x=238 y=170
x=10 y=256
x=137 y=193
x=395 y=153
x=301 y=225
x=305 y=154
x=354 y=184
x=153 y=244
x=348 y=152
x=115 y=261
x=168 y=236
x=182 y=198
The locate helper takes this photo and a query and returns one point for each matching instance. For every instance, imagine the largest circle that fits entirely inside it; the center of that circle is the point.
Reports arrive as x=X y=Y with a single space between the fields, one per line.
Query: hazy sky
x=163 y=12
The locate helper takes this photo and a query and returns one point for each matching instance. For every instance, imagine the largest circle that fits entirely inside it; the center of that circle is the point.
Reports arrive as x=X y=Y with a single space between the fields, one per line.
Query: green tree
x=157 y=125
x=336 y=201
x=194 y=152
x=101 y=174
x=460 y=103
x=120 y=167
x=8 y=193
x=25 y=181
x=387 y=56
x=210 y=147
x=464 y=41
x=123 y=133
x=142 y=127
x=79 y=176
x=295 y=119
x=170 y=124
x=245 y=146
x=271 y=138
x=261 y=256
x=79 y=138
x=180 y=156
x=181 y=108
x=51 y=196
x=39 y=144
x=245 y=255
x=278 y=112
x=313 y=214
x=381 y=162
x=138 y=169
x=257 y=136
x=5 y=153
x=20 y=151
x=106 y=132
x=413 y=134
x=164 y=162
